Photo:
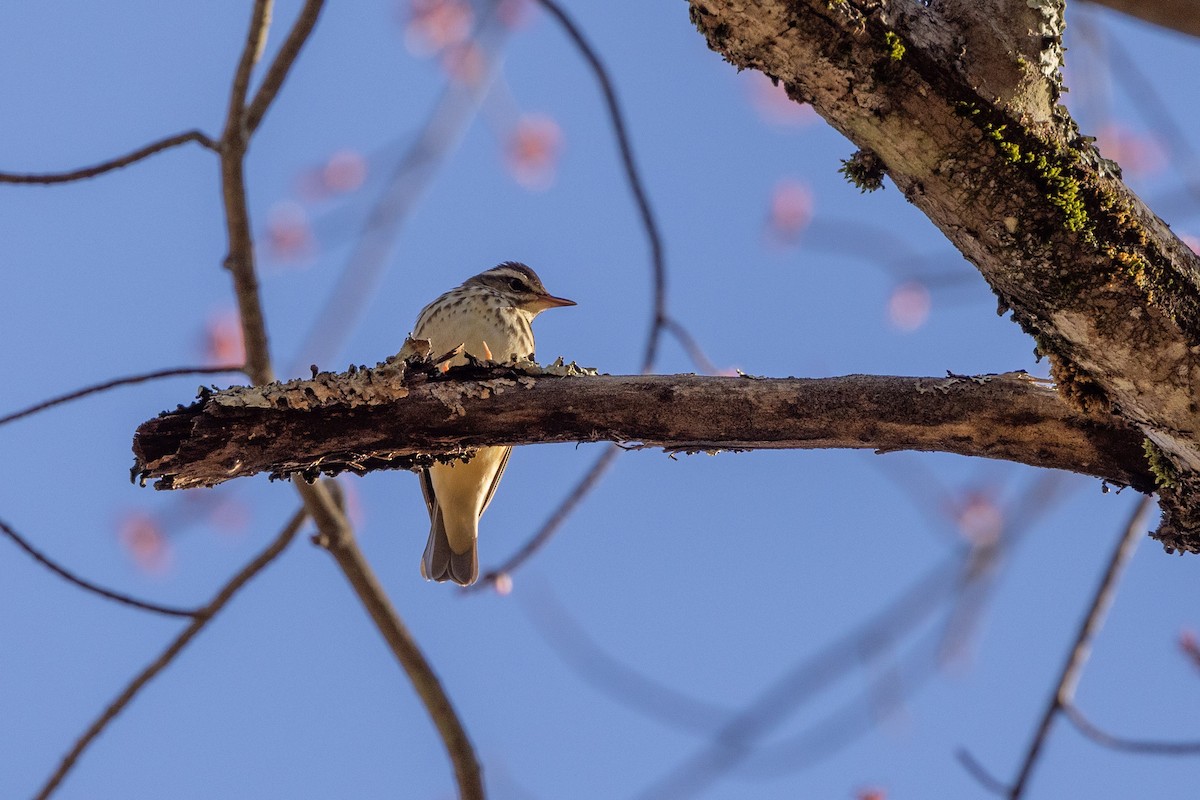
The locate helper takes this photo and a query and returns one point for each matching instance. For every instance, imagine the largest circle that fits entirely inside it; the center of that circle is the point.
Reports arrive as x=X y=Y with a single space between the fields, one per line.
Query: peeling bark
x=958 y=101
x=389 y=418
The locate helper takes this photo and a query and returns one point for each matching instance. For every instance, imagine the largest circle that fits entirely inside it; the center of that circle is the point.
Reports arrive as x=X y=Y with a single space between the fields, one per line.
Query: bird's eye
x=516 y=285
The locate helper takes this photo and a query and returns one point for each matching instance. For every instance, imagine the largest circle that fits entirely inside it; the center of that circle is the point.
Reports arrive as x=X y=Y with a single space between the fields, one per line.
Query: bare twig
x=1143 y=746
x=240 y=258
x=102 y=387
x=690 y=346
x=903 y=676
x=733 y=742
x=301 y=29
x=554 y=521
x=202 y=618
x=1081 y=647
x=621 y=682
x=337 y=537
x=979 y=772
x=335 y=532
x=632 y=175
x=256 y=39
x=49 y=178
x=119 y=597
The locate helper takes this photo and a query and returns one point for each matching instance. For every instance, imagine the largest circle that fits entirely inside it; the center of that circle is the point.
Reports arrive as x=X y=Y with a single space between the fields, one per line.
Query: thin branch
x=334 y=531
x=203 y=617
x=284 y=59
x=554 y=521
x=102 y=387
x=907 y=675
x=979 y=772
x=240 y=258
x=49 y=178
x=632 y=175
x=1143 y=746
x=620 y=682
x=1081 y=648
x=690 y=346
x=256 y=38
x=733 y=742
x=62 y=572
x=337 y=537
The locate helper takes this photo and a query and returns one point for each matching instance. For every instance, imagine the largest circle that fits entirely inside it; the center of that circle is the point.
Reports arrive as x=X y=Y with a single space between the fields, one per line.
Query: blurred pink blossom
x=533 y=150
x=289 y=232
x=344 y=172
x=352 y=500
x=433 y=25
x=144 y=539
x=909 y=306
x=980 y=521
x=465 y=62
x=790 y=211
x=1138 y=154
x=773 y=105
x=229 y=516
x=503 y=584
x=222 y=340
x=1189 y=645
x=513 y=13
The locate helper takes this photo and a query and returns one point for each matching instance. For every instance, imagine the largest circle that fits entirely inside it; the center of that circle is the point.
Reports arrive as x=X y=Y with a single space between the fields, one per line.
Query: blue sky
x=713 y=575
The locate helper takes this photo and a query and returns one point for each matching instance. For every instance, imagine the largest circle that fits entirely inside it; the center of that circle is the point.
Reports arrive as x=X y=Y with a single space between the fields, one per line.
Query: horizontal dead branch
x=385 y=418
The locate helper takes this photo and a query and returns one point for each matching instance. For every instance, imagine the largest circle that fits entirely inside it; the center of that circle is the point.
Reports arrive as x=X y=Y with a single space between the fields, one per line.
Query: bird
x=490 y=316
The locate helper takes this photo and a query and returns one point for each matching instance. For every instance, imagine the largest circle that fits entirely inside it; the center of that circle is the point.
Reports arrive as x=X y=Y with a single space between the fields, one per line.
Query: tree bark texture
x=957 y=102
x=1180 y=15
x=383 y=418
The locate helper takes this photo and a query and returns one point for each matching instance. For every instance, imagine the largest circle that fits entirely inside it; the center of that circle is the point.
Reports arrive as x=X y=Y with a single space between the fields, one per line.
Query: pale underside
x=457 y=494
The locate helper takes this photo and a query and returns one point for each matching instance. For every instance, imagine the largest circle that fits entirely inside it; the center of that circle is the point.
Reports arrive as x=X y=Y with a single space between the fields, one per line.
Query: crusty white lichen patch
x=386 y=383
x=952 y=381
x=451 y=394
x=1052 y=25
x=556 y=368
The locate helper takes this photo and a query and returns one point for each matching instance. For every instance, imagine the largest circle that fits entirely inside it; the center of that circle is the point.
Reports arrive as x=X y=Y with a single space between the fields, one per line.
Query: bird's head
x=520 y=285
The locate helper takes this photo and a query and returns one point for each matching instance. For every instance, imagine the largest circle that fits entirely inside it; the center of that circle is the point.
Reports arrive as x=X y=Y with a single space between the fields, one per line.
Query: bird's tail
x=441 y=563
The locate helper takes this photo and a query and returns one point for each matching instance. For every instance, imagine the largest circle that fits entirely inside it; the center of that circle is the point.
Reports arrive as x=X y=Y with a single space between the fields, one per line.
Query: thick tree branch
x=384 y=418
x=1179 y=15
x=957 y=103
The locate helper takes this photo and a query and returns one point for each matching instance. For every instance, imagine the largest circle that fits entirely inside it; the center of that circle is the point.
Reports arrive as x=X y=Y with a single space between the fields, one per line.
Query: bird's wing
x=427 y=491
x=491 y=492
